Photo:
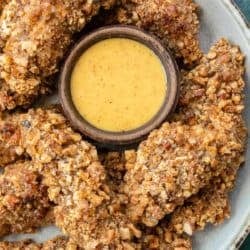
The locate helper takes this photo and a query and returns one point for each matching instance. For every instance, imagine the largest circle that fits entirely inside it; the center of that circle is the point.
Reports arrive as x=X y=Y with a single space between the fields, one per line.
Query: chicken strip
x=158 y=239
x=24 y=202
x=11 y=11
x=162 y=237
x=35 y=35
x=179 y=159
x=86 y=207
x=217 y=81
x=175 y=22
x=209 y=206
x=59 y=243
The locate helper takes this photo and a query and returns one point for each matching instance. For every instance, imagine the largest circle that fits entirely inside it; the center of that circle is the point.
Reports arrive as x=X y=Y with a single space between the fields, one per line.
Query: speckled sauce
x=118 y=84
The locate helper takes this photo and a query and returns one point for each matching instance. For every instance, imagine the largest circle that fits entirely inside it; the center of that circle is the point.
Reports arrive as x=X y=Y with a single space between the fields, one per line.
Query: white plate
x=219 y=18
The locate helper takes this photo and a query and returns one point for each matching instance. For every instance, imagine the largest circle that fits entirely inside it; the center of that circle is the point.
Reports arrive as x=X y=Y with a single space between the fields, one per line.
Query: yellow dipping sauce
x=118 y=85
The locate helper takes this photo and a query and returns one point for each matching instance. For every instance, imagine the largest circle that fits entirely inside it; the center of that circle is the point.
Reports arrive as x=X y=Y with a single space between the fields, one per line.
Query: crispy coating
x=45 y=136
x=175 y=22
x=158 y=239
x=8 y=146
x=2 y=4
x=86 y=207
x=35 y=35
x=210 y=205
x=54 y=175
x=24 y=203
x=59 y=243
x=216 y=82
x=109 y=224
x=179 y=159
x=202 y=147
x=9 y=19
x=162 y=237
x=116 y=165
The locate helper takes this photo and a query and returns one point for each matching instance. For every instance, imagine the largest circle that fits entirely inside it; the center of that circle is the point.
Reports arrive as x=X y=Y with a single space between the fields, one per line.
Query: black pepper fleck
x=26 y=124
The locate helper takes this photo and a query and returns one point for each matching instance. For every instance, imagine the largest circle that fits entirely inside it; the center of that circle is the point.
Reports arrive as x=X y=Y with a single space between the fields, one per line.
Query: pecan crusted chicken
x=116 y=200
x=210 y=205
x=157 y=239
x=59 y=243
x=35 y=35
x=86 y=207
x=23 y=199
x=205 y=139
x=202 y=147
x=175 y=22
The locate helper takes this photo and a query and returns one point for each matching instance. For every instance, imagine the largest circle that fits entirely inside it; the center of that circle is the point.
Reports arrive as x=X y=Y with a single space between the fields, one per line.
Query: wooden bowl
x=118 y=139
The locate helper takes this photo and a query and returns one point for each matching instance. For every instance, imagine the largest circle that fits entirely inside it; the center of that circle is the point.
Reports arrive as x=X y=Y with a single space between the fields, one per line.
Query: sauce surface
x=118 y=85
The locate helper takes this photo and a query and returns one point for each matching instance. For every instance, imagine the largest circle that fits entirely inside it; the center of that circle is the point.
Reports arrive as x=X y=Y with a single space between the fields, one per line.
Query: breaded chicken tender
x=179 y=159
x=117 y=200
x=210 y=205
x=86 y=207
x=158 y=239
x=175 y=22
x=163 y=236
x=24 y=203
x=35 y=35
x=59 y=243
x=216 y=83
x=89 y=207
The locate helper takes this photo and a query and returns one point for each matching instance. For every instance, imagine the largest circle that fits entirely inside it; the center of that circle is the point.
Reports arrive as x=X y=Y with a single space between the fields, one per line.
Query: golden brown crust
x=210 y=205
x=20 y=245
x=24 y=203
x=35 y=36
x=174 y=164
x=164 y=235
x=216 y=82
x=179 y=159
x=2 y=5
x=59 y=243
x=220 y=72
x=86 y=207
x=175 y=22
